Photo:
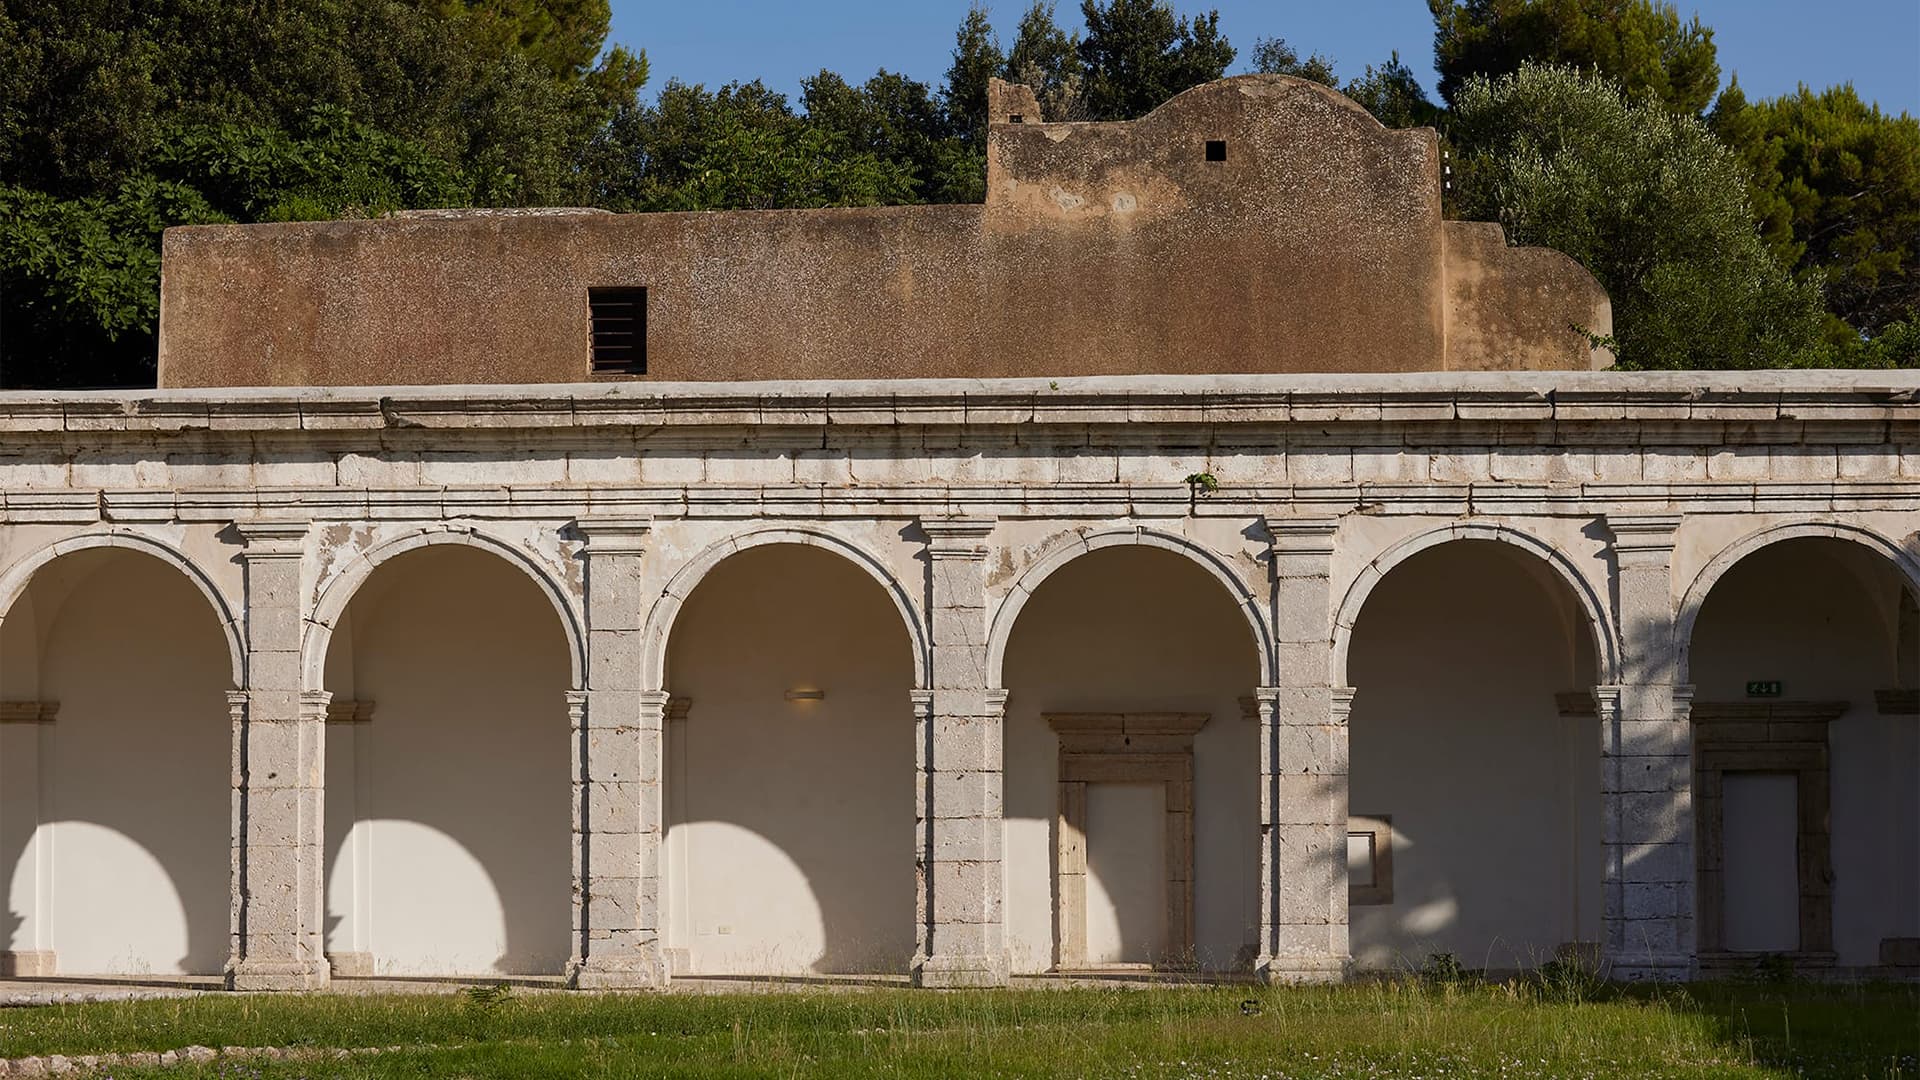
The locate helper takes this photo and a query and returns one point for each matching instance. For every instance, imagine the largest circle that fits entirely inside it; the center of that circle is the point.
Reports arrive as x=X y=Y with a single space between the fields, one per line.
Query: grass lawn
x=1405 y=1029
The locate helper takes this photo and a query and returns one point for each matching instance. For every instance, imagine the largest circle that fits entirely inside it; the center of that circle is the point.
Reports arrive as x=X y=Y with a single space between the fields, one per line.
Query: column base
x=1644 y=968
x=350 y=965
x=277 y=975
x=623 y=973
x=960 y=972
x=1302 y=970
x=26 y=964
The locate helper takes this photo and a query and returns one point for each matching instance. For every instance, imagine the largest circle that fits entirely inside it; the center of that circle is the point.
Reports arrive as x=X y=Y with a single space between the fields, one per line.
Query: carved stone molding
x=28 y=712
x=1125 y=748
x=1765 y=737
x=349 y=712
x=1897 y=701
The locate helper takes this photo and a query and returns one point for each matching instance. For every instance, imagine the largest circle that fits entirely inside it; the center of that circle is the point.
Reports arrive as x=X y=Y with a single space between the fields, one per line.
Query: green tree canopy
x=1139 y=53
x=1835 y=185
x=1393 y=94
x=743 y=147
x=1273 y=56
x=1647 y=199
x=976 y=59
x=1047 y=59
x=121 y=117
x=1641 y=44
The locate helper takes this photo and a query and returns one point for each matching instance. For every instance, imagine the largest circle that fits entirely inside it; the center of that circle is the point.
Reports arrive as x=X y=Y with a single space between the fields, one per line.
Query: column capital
x=1683 y=702
x=316 y=705
x=1340 y=706
x=679 y=707
x=1302 y=535
x=1643 y=533
x=272 y=537
x=28 y=712
x=957 y=537
x=349 y=712
x=614 y=535
x=237 y=701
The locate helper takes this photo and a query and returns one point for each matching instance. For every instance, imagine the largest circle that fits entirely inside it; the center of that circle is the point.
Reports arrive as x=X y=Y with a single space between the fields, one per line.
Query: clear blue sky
x=1771 y=44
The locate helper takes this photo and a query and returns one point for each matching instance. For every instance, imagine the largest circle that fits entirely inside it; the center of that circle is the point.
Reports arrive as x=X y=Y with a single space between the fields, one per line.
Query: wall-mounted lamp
x=806 y=695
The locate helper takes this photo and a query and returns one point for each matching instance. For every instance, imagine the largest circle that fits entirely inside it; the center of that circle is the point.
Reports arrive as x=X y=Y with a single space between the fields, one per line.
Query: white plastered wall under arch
x=448 y=814
x=1822 y=617
x=1456 y=659
x=1133 y=629
x=125 y=840
x=790 y=824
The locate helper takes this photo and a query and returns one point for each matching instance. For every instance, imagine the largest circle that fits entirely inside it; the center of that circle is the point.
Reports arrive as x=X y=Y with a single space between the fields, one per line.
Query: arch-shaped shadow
x=1829 y=612
x=340 y=589
x=114 y=816
x=1007 y=615
x=1458 y=737
x=1903 y=562
x=790 y=822
x=1603 y=637
x=665 y=612
x=461 y=787
x=1133 y=627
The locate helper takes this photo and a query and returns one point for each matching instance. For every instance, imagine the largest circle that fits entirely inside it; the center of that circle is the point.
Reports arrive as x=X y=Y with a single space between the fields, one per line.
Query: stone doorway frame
x=1123 y=748
x=1765 y=737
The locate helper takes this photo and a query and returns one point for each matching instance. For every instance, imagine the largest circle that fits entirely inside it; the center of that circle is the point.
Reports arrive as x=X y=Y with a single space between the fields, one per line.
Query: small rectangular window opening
x=619 y=318
x=1017 y=118
x=1216 y=149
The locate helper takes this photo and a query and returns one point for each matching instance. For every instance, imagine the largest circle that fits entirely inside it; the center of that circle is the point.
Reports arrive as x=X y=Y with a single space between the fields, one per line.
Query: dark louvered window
x=619 y=330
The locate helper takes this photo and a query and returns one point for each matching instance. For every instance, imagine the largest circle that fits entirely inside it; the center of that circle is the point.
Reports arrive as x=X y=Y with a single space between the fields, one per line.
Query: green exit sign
x=1764 y=688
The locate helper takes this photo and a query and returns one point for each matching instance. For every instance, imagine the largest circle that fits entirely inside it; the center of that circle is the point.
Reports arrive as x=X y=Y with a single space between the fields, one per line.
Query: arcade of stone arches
x=1529 y=755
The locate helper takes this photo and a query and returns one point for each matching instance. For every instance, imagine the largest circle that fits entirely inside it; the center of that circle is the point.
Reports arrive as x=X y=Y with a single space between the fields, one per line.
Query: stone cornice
x=1013 y=501
x=1667 y=401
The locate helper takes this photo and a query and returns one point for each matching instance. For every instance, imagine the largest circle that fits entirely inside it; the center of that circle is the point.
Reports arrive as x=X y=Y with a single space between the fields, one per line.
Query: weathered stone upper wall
x=1317 y=245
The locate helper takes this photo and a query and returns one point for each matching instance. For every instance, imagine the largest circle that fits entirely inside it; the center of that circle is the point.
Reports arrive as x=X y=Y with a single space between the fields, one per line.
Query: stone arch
x=1728 y=557
x=1008 y=613
x=20 y=575
x=1605 y=641
x=666 y=609
x=338 y=591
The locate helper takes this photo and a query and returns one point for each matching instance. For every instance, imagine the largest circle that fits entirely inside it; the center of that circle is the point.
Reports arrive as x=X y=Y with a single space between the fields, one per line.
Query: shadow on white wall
x=790 y=841
x=114 y=817
x=449 y=825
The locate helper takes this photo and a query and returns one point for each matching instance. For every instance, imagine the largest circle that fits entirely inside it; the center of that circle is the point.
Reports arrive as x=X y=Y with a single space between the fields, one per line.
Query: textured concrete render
x=1316 y=245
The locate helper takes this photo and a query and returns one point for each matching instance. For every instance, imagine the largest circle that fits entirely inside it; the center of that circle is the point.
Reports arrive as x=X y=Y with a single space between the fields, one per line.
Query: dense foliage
x=1649 y=200
x=119 y=118
x=1642 y=46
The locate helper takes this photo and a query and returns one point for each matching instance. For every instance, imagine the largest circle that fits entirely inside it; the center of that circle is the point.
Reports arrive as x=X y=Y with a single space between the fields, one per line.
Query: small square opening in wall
x=1369 y=860
x=1016 y=118
x=619 y=318
x=1216 y=149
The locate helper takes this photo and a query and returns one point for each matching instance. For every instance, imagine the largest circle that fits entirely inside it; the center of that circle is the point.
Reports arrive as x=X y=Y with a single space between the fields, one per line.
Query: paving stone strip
x=71 y=1065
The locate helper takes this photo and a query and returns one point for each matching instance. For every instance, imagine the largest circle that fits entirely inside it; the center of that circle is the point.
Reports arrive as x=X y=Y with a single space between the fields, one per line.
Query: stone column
x=957 y=782
x=279 y=762
x=1646 y=779
x=616 y=729
x=1303 y=769
x=28 y=951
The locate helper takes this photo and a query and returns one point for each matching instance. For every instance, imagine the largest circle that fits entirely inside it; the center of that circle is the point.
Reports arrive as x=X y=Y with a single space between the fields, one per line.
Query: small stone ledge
x=1848 y=398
